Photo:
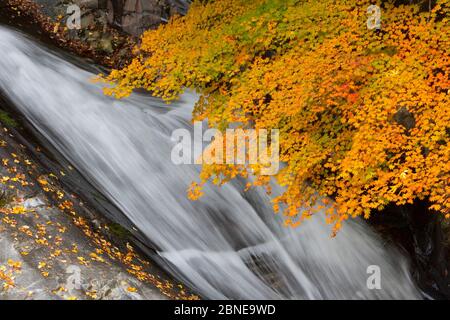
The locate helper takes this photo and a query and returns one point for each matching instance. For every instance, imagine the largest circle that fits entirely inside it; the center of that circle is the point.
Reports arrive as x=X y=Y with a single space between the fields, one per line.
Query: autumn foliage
x=363 y=114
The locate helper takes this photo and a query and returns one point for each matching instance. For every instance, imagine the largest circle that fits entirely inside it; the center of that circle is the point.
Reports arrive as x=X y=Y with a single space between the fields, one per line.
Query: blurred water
x=229 y=244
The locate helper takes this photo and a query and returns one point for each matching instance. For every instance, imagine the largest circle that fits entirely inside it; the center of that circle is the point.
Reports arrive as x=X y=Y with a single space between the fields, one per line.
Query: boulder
x=405 y=118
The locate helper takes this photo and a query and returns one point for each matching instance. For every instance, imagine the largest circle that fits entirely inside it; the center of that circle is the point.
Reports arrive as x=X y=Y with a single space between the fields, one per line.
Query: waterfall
x=228 y=244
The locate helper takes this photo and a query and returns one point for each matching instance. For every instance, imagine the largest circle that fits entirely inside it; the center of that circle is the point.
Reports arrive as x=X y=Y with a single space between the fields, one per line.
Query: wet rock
x=30 y=284
x=425 y=151
x=405 y=118
x=137 y=23
x=105 y=44
x=67 y=278
x=132 y=6
x=49 y=7
x=87 y=20
x=421 y=232
x=94 y=36
x=32 y=203
x=89 y=4
x=102 y=20
x=130 y=16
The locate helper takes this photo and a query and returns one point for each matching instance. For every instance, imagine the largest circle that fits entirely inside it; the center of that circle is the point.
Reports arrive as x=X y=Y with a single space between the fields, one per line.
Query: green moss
x=5 y=198
x=119 y=231
x=6 y=119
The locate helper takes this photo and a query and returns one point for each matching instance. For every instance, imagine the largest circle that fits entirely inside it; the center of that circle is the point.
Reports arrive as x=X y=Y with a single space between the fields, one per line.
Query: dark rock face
x=108 y=28
x=405 y=118
x=49 y=7
x=130 y=16
x=135 y=16
x=430 y=253
x=424 y=234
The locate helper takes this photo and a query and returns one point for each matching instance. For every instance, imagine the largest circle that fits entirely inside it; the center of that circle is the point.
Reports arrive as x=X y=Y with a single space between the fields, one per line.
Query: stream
x=227 y=245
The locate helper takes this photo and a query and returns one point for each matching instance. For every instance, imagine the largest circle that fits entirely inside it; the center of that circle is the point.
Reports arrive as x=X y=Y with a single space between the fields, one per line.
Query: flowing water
x=229 y=244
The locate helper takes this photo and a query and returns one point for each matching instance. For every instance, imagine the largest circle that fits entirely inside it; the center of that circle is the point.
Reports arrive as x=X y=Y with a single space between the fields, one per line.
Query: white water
x=214 y=244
